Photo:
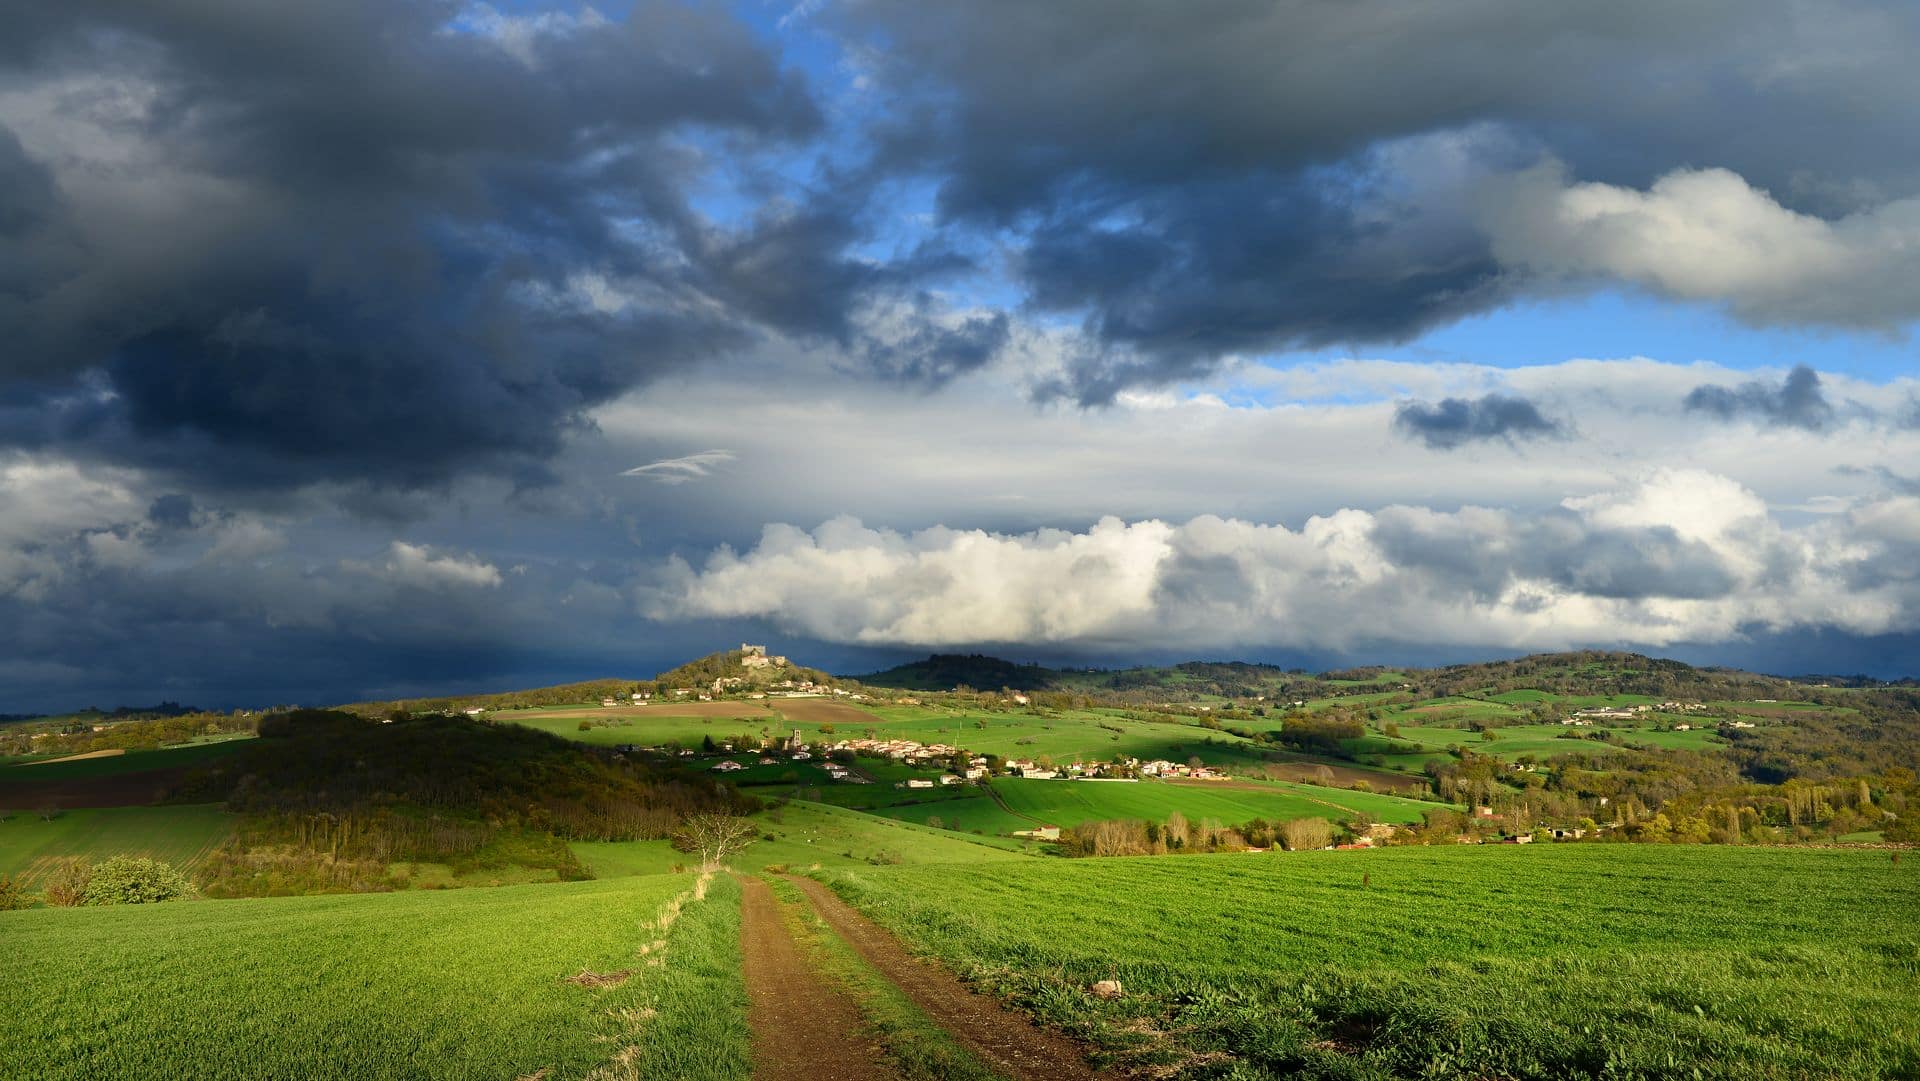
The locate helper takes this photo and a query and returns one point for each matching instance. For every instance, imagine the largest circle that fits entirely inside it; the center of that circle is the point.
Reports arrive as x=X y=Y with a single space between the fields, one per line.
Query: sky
x=374 y=349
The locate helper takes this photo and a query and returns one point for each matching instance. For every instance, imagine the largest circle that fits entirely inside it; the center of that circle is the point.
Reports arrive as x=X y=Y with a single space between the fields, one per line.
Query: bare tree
x=714 y=837
x=1306 y=833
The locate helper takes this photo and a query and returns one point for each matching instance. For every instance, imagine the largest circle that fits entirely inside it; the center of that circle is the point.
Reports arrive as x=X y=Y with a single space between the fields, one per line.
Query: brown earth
x=117 y=790
x=1004 y=1040
x=1304 y=769
x=111 y=752
x=803 y=1027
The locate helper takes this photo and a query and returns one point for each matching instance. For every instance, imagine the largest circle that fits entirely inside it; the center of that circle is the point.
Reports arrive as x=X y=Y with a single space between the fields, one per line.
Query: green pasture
x=1070 y=803
x=1537 y=962
x=655 y=725
x=1064 y=737
x=1543 y=741
x=45 y=768
x=804 y=834
x=457 y=984
x=180 y=835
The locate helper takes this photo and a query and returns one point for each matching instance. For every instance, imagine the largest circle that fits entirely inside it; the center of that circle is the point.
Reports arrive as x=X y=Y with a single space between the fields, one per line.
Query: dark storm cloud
x=932 y=353
x=1268 y=261
x=1250 y=175
x=1483 y=558
x=1797 y=402
x=1452 y=423
x=366 y=242
x=172 y=511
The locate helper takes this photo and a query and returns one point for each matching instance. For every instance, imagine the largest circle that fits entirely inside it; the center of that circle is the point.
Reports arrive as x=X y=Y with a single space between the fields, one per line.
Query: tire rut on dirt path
x=1006 y=1041
x=804 y=1027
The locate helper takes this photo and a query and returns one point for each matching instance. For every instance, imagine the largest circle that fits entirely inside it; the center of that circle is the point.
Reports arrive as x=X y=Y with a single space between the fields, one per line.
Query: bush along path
x=931 y=1024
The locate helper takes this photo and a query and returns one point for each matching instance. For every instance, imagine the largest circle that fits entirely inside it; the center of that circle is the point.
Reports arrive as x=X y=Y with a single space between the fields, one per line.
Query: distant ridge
x=945 y=671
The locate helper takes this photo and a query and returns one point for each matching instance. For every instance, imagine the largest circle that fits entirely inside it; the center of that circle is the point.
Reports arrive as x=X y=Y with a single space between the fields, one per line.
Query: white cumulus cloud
x=417 y=565
x=1670 y=556
x=1708 y=235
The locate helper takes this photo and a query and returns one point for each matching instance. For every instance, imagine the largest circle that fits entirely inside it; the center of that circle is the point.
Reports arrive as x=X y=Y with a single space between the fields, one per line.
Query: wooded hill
x=560 y=694
x=1585 y=672
x=332 y=800
x=730 y=664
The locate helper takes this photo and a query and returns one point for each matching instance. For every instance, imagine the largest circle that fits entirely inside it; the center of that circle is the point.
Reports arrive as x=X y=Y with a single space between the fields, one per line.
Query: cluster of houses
x=1585 y=717
x=1162 y=768
x=915 y=753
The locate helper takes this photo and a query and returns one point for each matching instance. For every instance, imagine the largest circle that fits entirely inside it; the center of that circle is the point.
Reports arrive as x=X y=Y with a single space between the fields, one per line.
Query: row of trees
x=1137 y=837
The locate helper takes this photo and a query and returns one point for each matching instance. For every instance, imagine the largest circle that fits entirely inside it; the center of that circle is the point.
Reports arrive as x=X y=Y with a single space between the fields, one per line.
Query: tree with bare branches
x=713 y=837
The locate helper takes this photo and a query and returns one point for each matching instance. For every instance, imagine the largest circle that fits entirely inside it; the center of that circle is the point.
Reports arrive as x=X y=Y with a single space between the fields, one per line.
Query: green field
x=651 y=725
x=1102 y=735
x=190 y=754
x=1536 y=962
x=805 y=834
x=1069 y=803
x=29 y=846
x=1544 y=740
x=456 y=985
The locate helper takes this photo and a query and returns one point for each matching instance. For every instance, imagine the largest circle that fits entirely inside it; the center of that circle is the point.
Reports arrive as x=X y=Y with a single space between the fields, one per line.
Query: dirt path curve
x=803 y=1027
x=1001 y=801
x=1003 y=1039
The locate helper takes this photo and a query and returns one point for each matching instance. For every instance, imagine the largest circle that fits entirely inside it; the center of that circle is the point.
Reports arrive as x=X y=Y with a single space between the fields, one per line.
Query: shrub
x=11 y=895
x=67 y=885
x=131 y=880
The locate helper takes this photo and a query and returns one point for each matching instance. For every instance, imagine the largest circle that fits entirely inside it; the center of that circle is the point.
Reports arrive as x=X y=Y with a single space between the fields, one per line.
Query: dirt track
x=1002 y=1039
x=803 y=1027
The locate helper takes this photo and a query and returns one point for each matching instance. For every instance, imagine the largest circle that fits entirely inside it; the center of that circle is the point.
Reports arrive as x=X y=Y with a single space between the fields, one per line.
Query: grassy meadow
x=1021 y=804
x=1065 y=736
x=72 y=767
x=802 y=834
x=456 y=985
x=1536 y=962
x=181 y=835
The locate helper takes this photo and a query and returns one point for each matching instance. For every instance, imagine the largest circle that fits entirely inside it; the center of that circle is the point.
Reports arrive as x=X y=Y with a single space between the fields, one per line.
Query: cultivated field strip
x=31 y=847
x=1566 y=961
x=455 y=984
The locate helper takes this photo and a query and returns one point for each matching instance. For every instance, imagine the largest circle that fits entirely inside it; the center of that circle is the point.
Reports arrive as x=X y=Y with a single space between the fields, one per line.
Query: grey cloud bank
x=354 y=347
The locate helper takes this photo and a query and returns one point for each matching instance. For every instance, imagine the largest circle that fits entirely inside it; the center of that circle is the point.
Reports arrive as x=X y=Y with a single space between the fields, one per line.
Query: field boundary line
x=629 y=1023
x=1002 y=1038
x=1001 y=802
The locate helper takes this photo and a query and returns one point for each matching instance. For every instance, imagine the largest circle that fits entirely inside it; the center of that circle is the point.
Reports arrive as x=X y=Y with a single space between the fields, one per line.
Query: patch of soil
x=803 y=1027
x=1304 y=770
x=585 y=978
x=117 y=790
x=1003 y=1039
x=111 y=752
